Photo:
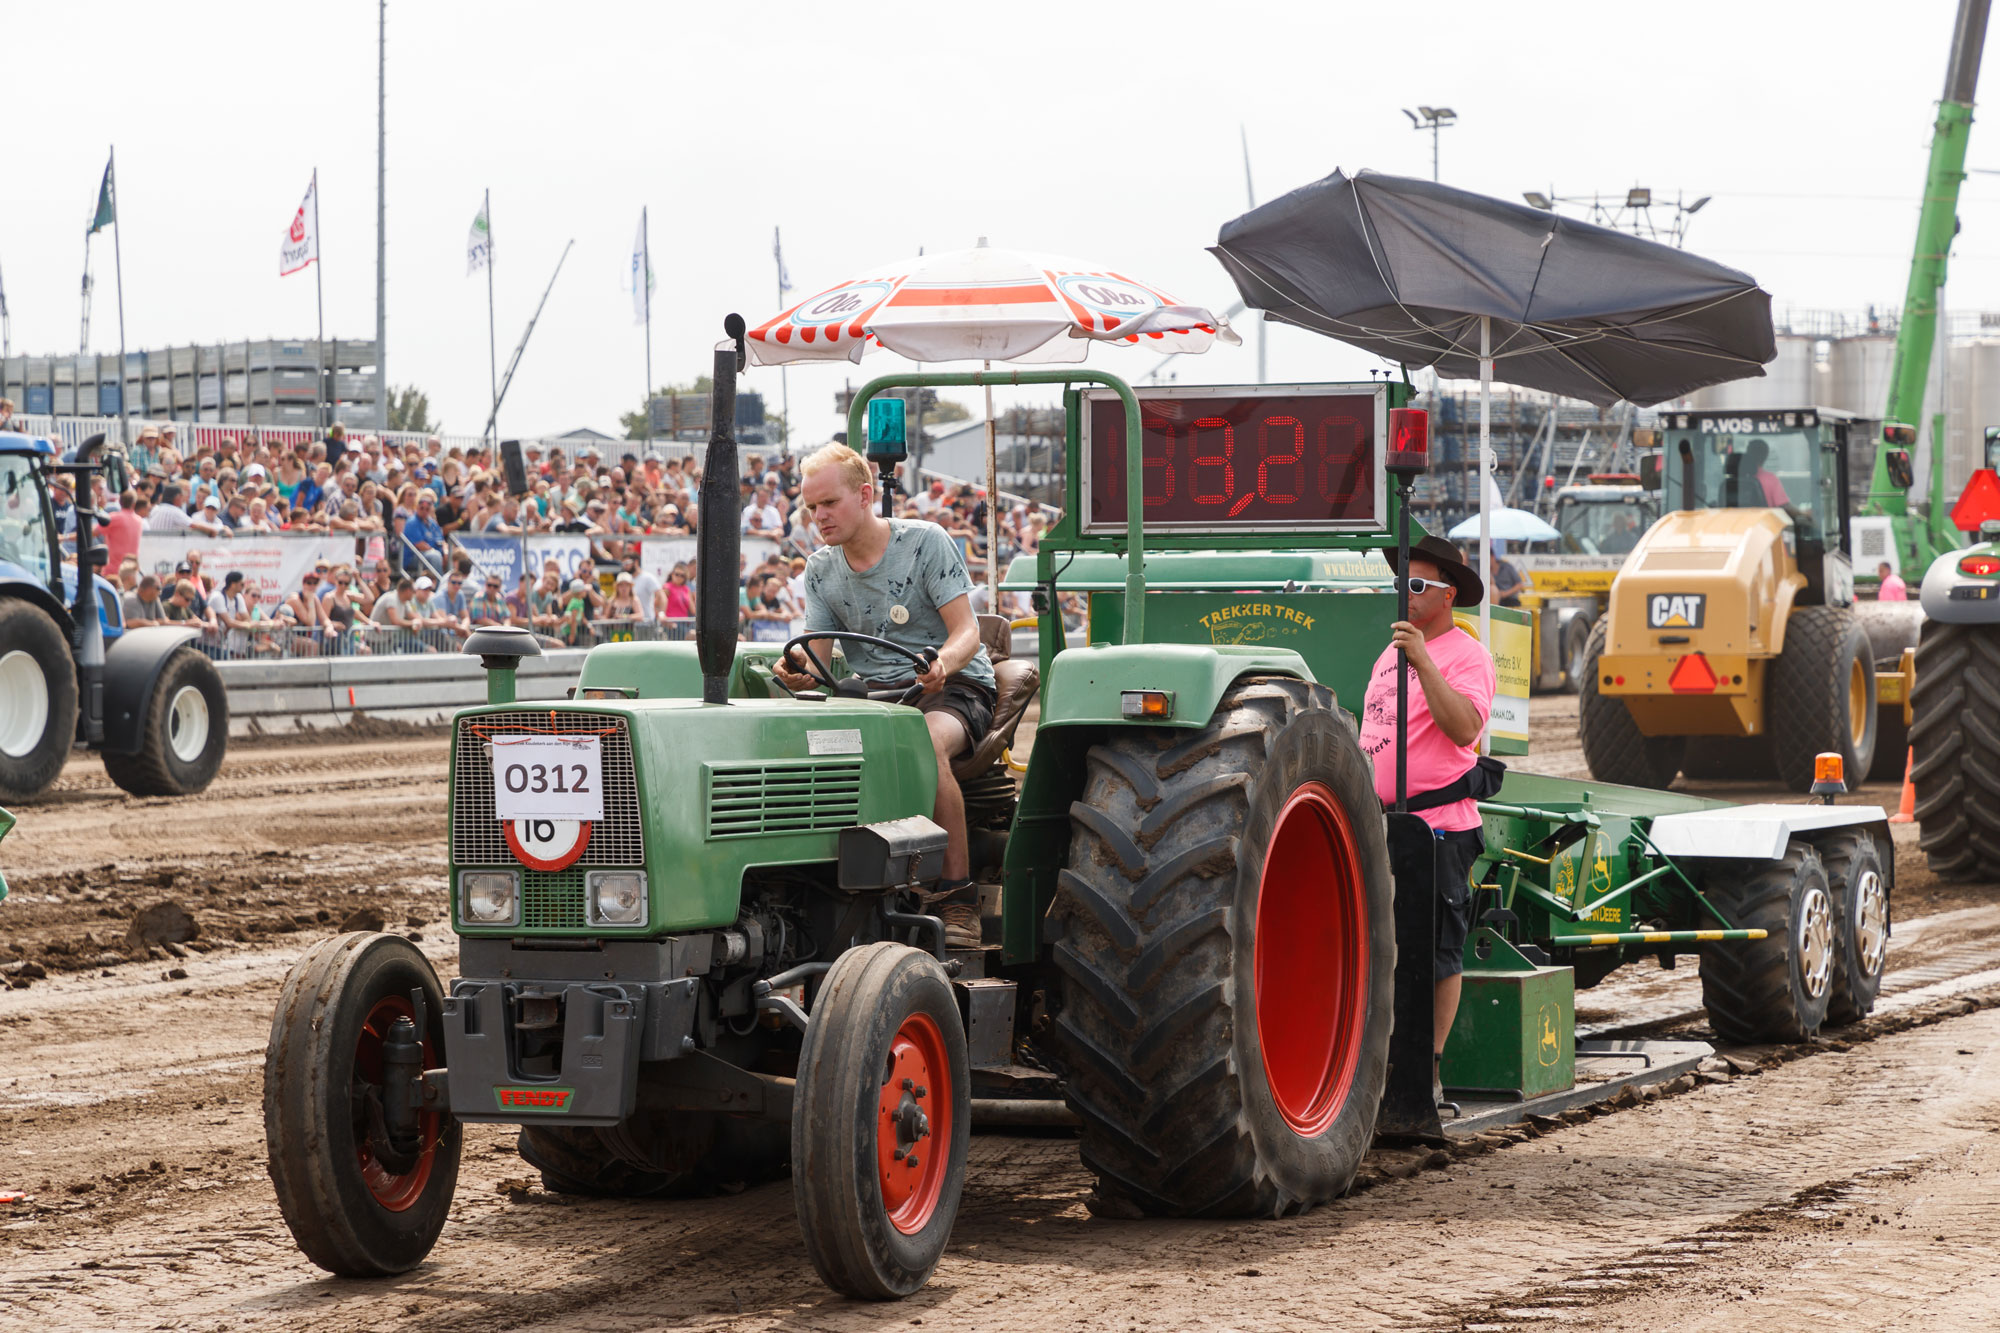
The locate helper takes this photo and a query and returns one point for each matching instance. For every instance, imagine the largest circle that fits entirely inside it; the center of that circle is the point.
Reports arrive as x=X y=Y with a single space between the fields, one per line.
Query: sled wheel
x=1777 y=988
x=357 y=1203
x=1859 y=881
x=880 y=1124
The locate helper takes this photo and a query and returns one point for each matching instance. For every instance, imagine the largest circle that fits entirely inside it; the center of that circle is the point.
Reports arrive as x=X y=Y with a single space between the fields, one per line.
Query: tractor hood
x=1706 y=580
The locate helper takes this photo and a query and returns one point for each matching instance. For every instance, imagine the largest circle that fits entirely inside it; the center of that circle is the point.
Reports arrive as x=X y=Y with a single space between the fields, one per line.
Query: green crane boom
x=1923 y=535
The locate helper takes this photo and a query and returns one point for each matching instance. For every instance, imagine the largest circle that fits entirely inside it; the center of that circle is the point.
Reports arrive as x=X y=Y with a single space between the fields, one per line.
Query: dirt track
x=130 y=1111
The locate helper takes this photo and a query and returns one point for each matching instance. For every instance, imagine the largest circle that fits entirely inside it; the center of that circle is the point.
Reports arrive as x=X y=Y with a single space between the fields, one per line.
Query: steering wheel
x=823 y=673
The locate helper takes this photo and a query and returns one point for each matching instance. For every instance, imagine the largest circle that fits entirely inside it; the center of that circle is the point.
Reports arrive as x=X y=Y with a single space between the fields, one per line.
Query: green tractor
x=693 y=944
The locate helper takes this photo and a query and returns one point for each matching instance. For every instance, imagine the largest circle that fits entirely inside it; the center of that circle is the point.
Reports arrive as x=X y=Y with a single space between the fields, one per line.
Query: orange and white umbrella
x=985 y=305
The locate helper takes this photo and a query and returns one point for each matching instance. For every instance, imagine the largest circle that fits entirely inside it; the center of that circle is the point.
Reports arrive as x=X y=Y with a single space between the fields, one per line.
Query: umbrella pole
x=1485 y=481
x=992 y=509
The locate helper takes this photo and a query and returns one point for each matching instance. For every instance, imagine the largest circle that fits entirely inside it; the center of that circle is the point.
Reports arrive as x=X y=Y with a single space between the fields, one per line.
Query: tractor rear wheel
x=1226 y=960
x=1776 y=988
x=358 y=1203
x=1821 y=693
x=37 y=700
x=680 y=1154
x=1613 y=746
x=184 y=734
x=881 y=1121
x=1956 y=738
x=1860 y=885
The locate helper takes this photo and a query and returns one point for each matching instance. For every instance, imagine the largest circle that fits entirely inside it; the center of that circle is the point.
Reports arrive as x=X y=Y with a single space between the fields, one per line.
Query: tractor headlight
x=489 y=897
x=615 y=897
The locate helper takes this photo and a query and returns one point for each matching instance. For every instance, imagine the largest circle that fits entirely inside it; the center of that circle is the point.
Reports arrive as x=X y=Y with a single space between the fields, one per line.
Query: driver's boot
x=957 y=903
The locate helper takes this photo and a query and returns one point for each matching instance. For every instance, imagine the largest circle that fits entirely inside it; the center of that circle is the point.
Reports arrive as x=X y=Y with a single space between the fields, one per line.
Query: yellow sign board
x=1512 y=647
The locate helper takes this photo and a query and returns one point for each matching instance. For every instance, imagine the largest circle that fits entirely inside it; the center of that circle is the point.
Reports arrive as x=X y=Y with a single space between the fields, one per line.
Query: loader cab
x=1793 y=461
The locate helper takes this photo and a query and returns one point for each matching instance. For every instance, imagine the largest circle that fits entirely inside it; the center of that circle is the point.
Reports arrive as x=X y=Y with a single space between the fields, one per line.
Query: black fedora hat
x=1470 y=589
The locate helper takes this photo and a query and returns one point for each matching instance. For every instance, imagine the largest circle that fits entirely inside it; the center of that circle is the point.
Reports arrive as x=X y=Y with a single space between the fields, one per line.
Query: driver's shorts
x=967 y=700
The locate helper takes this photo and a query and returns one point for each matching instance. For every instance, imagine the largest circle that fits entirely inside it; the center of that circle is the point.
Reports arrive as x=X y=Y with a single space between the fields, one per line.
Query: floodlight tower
x=1434 y=119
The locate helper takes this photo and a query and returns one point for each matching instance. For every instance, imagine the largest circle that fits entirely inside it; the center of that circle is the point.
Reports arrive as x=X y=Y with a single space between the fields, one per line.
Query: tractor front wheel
x=184 y=734
x=1226 y=959
x=881 y=1121
x=360 y=1201
x=1777 y=988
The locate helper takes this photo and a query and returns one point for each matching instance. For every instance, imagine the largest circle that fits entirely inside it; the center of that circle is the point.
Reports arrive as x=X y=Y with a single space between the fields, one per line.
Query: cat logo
x=1676 y=610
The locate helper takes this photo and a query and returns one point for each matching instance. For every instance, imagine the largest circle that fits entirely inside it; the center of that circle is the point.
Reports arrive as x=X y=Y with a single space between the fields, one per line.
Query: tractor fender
x=132 y=666
x=1944 y=575
x=1085 y=684
x=15 y=582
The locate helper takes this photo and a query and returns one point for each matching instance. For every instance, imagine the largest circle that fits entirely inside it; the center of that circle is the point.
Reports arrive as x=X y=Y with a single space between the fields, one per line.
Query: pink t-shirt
x=1893 y=590
x=1435 y=759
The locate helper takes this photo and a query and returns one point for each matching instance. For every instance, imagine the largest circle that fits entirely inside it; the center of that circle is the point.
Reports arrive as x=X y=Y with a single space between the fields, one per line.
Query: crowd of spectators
x=409 y=588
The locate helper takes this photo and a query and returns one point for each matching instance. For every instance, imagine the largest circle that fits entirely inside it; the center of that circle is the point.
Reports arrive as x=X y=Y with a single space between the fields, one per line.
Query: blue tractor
x=148 y=700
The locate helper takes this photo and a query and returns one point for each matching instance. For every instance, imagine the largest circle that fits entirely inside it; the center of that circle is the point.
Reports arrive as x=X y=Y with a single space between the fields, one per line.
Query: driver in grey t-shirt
x=903 y=581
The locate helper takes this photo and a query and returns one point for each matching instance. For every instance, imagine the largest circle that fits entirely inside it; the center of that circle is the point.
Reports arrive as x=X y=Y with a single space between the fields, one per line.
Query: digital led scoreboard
x=1243 y=458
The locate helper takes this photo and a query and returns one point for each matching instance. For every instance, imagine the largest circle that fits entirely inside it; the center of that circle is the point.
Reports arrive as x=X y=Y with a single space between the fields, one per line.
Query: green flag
x=107 y=207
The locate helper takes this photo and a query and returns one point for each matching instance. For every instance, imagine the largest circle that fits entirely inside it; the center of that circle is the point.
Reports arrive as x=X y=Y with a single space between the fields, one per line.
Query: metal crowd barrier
x=278 y=641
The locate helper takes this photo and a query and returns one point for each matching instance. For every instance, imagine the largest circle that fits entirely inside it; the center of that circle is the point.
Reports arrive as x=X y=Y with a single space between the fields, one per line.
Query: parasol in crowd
x=1431 y=276
x=985 y=304
x=1507 y=525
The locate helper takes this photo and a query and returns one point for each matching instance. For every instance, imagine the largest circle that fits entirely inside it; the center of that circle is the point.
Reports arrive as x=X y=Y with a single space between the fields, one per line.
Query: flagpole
x=118 y=259
x=646 y=282
x=492 y=351
x=784 y=372
x=319 y=341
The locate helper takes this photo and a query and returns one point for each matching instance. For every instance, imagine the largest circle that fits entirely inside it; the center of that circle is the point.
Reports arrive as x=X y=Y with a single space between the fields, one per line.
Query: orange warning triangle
x=1692 y=676
x=1979 y=501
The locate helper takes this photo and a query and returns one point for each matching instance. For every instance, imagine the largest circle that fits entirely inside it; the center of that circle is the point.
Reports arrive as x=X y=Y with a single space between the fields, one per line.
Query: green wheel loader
x=693 y=943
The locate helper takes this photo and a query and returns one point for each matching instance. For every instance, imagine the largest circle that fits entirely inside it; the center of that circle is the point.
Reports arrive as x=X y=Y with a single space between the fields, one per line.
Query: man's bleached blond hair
x=854 y=469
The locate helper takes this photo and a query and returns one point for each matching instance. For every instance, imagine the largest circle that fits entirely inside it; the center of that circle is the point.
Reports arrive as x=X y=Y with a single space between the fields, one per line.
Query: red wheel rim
x=395 y=1191
x=1311 y=951
x=913 y=1115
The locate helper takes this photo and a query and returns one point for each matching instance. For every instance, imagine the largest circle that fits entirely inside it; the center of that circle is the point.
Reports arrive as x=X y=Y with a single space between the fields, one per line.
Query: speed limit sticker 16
x=548 y=777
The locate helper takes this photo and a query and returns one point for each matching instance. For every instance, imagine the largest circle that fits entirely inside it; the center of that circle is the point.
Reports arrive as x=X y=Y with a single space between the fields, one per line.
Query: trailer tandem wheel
x=1860 y=885
x=37 y=700
x=358 y=1203
x=881 y=1121
x=1955 y=735
x=1613 y=746
x=1226 y=959
x=1777 y=988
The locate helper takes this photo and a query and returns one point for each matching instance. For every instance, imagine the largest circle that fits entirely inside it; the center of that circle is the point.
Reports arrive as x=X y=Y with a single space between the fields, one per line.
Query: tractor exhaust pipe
x=720 y=547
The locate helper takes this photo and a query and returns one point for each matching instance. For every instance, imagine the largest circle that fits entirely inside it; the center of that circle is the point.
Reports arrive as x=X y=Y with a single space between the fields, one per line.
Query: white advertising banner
x=570 y=552
x=273 y=566
x=659 y=555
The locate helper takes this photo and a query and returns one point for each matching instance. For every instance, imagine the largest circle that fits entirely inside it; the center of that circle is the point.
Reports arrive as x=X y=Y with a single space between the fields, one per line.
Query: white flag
x=302 y=237
x=479 y=244
x=642 y=274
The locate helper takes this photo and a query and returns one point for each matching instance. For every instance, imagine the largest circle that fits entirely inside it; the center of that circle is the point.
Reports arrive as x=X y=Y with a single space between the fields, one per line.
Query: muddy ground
x=1852 y=1176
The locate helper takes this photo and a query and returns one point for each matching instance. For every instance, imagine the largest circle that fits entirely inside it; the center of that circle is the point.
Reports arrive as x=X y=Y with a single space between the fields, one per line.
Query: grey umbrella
x=1428 y=275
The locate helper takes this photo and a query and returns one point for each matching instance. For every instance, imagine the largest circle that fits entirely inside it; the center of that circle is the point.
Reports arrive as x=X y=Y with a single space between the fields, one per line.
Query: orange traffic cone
x=1906 y=809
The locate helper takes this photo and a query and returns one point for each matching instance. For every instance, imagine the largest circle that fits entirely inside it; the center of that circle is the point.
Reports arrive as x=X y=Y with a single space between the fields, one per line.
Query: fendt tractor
x=1734 y=642
x=1955 y=727
x=694 y=949
x=1600 y=521
x=147 y=700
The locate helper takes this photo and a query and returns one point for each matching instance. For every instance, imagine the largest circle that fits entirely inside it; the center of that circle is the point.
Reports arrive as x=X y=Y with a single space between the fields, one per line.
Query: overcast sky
x=868 y=130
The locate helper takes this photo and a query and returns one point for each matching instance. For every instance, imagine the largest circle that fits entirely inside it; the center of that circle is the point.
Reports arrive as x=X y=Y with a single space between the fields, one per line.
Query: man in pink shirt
x=1892 y=588
x=1452 y=682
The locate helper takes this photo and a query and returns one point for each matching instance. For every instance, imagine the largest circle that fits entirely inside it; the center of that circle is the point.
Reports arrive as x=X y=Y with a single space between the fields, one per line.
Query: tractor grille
x=552 y=900
x=788 y=796
x=477 y=838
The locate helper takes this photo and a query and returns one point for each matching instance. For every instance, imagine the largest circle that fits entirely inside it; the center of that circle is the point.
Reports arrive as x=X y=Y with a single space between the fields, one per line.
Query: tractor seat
x=1014 y=684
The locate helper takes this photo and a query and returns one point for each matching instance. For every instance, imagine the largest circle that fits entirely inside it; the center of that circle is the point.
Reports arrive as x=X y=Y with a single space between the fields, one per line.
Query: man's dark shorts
x=968 y=701
x=1457 y=849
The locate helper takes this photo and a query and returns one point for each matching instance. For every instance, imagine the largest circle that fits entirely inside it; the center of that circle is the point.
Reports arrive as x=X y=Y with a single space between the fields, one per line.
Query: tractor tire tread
x=1956 y=768
x=1613 y=746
